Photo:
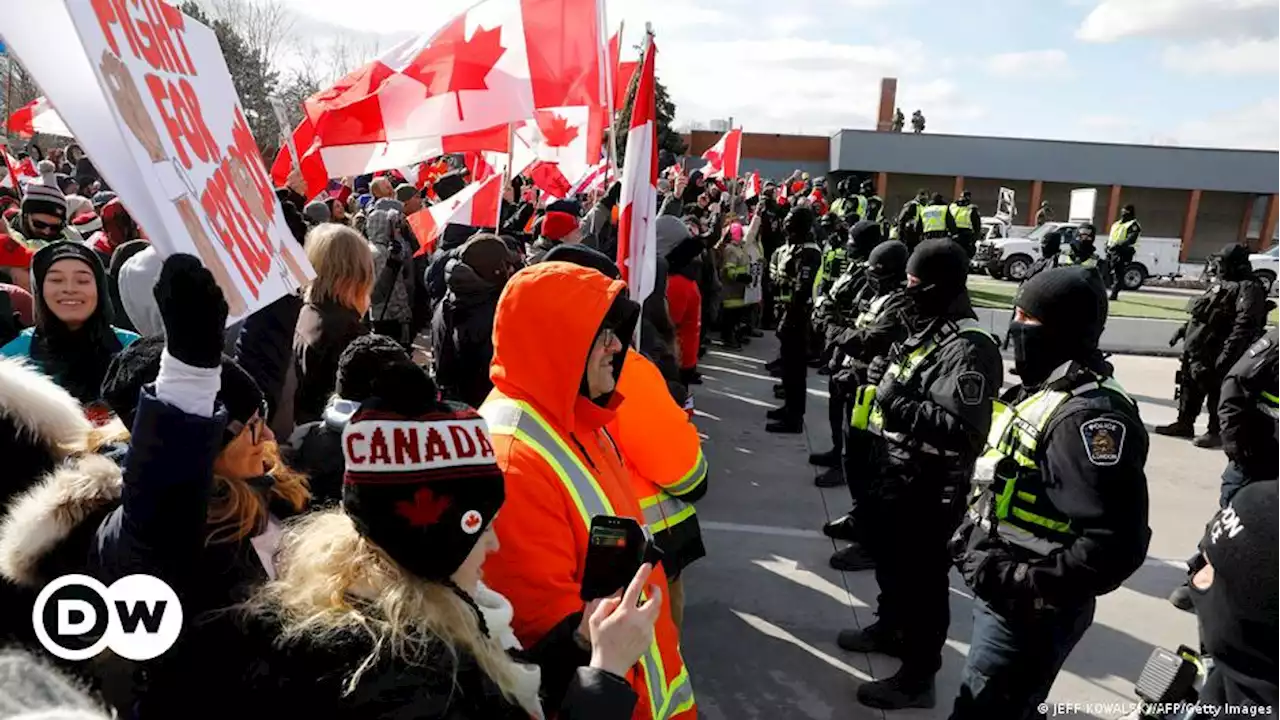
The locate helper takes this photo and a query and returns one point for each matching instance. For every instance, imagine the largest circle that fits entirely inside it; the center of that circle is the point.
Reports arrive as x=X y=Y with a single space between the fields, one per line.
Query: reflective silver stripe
x=507 y=416
x=660 y=515
x=692 y=479
x=653 y=678
x=681 y=695
x=924 y=447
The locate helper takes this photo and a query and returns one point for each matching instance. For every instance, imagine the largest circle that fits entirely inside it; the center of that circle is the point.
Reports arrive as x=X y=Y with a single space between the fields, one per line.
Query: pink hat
x=735 y=232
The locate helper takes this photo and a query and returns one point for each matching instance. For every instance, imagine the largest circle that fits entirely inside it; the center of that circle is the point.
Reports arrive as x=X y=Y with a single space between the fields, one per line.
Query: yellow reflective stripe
x=679 y=696
x=1028 y=497
x=691 y=479
x=1270 y=398
x=650 y=672
x=1043 y=522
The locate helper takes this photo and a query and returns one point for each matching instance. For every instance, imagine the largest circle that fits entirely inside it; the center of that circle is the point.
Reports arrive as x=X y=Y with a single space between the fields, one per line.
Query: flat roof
x=1096 y=163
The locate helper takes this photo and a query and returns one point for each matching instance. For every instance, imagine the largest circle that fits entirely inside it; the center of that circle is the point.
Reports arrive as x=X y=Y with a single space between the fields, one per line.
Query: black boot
x=786 y=426
x=831 y=477
x=1178 y=429
x=841 y=528
x=753 y=332
x=874 y=638
x=854 y=558
x=903 y=690
x=828 y=459
x=779 y=413
x=1210 y=440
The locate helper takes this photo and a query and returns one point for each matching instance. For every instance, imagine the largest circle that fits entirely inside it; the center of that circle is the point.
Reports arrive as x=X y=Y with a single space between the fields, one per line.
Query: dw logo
x=138 y=617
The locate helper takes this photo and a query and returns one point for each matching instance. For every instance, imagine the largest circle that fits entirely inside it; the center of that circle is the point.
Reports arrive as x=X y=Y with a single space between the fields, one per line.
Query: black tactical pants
x=1194 y=391
x=795 y=367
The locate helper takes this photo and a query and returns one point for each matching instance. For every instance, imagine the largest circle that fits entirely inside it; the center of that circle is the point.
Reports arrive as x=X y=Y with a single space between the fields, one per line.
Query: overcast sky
x=1186 y=72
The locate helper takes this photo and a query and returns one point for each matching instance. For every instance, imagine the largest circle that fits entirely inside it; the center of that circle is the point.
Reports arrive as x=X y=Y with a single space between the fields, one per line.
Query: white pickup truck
x=1010 y=258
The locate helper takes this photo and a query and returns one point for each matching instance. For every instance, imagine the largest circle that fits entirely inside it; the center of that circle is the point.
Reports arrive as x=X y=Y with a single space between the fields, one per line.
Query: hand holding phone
x=622 y=627
x=616 y=547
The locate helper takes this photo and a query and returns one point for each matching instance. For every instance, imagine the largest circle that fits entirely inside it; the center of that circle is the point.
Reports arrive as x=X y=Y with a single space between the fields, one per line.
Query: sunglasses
x=46 y=227
x=255 y=426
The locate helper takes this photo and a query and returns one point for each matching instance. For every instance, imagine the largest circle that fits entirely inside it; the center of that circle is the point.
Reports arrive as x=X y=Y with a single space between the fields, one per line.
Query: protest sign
x=149 y=97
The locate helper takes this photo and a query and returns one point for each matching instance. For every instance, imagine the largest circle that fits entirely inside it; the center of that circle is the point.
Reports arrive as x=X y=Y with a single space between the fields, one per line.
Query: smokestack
x=888 y=100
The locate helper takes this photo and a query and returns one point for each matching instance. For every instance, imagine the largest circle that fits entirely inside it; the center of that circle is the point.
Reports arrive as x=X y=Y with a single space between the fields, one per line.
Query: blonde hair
x=332 y=581
x=236 y=510
x=344 y=266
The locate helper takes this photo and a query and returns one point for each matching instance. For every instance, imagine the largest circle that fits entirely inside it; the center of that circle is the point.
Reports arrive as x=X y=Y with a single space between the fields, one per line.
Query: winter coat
x=598 y=231
x=262 y=677
x=684 y=302
x=735 y=272
x=323 y=332
x=92 y=517
x=1224 y=322
x=462 y=335
x=393 y=249
x=543 y=534
x=315 y=450
x=45 y=359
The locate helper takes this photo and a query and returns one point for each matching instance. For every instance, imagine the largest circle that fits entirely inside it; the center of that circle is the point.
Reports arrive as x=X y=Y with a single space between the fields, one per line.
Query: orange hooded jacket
x=547 y=320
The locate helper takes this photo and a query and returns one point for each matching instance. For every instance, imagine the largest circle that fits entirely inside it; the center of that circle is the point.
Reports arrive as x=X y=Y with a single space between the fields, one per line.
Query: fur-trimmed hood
x=39 y=408
x=38 y=521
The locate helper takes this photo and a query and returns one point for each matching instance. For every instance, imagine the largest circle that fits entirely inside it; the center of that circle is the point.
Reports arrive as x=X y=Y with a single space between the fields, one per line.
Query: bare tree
x=265 y=25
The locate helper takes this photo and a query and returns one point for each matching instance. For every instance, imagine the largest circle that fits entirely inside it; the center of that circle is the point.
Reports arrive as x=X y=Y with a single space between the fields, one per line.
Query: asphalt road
x=763 y=608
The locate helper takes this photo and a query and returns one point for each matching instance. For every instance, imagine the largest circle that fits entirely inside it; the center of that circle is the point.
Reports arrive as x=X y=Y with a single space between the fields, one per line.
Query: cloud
x=1251 y=127
x=1032 y=63
x=1113 y=20
x=1217 y=57
x=1107 y=122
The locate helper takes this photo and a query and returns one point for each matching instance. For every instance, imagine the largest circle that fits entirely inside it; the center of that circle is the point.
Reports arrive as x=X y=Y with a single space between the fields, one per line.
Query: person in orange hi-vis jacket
x=663 y=452
x=559 y=341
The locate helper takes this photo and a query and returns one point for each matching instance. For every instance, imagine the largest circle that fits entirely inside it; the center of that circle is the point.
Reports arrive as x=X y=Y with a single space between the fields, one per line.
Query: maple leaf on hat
x=452 y=63
x=425 y=509
x=556 y=130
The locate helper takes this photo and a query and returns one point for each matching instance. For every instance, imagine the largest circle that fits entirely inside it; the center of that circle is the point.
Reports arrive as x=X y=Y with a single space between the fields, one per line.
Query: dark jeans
x=1118 y=260
x=1233 y=479
x=1012 y=665
x=912 y=570
x=1195 y=393
x=795 y=368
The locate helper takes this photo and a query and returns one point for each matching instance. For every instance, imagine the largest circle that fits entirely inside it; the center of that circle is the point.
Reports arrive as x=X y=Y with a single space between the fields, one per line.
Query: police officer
x=1050 y=246
x=1224 y=322
x=870 y=205
x=846 y=205
x=1121 y=246
x=932 y=407
x=936 y=220
x=967 y=221
x=1248 y=413
x=907 y=226
x=1082 y=252
x=835 y=257
x=1058 y=515
x=797 y=268
x=882 y=323
x=841 y=308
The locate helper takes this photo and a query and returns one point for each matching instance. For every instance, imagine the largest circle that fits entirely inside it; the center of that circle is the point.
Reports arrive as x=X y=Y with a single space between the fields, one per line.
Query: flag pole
x=610 y=79
x=506 y=175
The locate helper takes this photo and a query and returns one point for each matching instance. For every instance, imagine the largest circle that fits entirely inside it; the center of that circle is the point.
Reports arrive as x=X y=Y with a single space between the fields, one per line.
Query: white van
x=1010 y=258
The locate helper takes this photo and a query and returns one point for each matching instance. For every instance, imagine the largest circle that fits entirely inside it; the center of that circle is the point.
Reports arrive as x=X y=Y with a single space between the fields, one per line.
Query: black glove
x=888 y=390
x=194 y=311
x=1177 y=336
x=989 y=570
x=876 y=370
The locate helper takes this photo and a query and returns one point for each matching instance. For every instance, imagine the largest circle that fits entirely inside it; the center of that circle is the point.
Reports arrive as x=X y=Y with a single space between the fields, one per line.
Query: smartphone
x=616 y=547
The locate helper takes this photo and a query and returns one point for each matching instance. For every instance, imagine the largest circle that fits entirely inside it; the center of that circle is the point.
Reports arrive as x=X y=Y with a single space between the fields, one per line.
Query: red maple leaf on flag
x=452 y=63
x=714 y=161
x=425 y=509
x=556 y=130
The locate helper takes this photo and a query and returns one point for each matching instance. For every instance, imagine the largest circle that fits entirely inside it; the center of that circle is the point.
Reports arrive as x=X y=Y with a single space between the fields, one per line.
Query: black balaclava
x=1234 y=263
x=1085 y=238
x=1051 y=244
x=922 y=196
x=1071 y=305
x=864 y=237
x=965 y=198
x=1237 y=613
x=77 y=359
x=937 y=199
x=798 y=225
x=867 y=187
x=1128 y=212
x=887 y=267
x=942 y=267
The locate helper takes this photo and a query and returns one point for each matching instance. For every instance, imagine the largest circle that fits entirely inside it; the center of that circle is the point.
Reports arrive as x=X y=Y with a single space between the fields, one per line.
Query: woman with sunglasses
x=73 y=340
x=199 y=503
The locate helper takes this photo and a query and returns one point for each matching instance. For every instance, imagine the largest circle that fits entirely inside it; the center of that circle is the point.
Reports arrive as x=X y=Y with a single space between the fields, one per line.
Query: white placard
x=1082 y=204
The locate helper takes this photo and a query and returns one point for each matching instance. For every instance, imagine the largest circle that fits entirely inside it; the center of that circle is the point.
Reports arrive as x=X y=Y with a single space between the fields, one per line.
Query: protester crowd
x=374 y=497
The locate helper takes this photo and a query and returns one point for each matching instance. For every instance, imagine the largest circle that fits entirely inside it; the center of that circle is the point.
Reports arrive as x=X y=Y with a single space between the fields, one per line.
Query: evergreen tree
x=668 y=139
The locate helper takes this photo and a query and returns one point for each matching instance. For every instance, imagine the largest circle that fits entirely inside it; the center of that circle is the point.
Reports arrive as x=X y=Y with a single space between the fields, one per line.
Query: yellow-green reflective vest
x=1009 y=488
x=867 y=414
x=933 y=219
x=1091 y=261
x=866 y=208
x=963 y=215
x=1119 y=233
x=1270 y=405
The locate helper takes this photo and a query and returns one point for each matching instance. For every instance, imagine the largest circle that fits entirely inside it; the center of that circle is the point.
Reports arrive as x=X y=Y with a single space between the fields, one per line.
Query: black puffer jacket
x=1224 y=322
x=462 y=335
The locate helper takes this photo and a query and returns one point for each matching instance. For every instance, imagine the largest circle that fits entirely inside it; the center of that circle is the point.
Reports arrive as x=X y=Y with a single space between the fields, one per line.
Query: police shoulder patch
x=1103 y=441
x=971 y=386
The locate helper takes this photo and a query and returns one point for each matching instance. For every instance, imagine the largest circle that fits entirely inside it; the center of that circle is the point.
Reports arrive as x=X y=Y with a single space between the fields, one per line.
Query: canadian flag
x=564 y=141
x=596 y=178
x=491 y=66
x=724 y=157
x=477 y=204
x=637 y=238
x=753 y=186
x=38 y=116
x=623 y=71
x=17 y=172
